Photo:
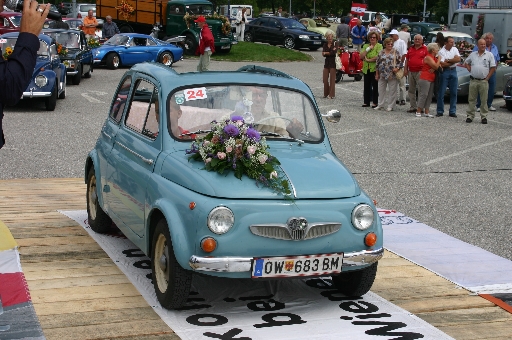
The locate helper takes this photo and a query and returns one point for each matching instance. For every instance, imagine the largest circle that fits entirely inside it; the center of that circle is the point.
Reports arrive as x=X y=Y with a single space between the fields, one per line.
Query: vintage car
x=311 y=26
x=259 y=213
x=78 y=58
x=127 y=49
x=282 y=31
x=49 y=77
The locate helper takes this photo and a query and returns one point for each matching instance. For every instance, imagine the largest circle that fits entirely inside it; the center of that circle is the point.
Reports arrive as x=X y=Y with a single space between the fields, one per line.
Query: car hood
x=313 y=175
x=41 y=63
x=72 y=53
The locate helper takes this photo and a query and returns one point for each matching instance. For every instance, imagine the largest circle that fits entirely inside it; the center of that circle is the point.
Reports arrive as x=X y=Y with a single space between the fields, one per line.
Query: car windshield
x=67 y=39
x=202 y=9
x=117 y=40
x=16 y=20
x=290 y=23
x=9 y=43
x=74 y=23
x=276 y=113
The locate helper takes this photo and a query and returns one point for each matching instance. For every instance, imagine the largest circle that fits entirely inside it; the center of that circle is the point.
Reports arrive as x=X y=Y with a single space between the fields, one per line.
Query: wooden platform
x=79 y=293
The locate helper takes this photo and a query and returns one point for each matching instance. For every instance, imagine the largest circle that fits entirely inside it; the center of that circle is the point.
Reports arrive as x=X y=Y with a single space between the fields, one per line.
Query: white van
x=496 y=21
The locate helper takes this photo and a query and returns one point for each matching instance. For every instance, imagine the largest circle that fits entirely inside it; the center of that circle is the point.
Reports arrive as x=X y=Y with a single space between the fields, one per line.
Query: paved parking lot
x=448 y=174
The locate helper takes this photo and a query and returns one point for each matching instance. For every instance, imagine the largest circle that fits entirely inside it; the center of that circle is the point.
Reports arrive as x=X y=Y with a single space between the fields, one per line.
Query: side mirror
x=332 y=116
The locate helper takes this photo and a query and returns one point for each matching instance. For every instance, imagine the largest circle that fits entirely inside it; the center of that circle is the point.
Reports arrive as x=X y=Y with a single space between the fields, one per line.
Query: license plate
x=317 y=42
x=289 y=266
x=225 y=47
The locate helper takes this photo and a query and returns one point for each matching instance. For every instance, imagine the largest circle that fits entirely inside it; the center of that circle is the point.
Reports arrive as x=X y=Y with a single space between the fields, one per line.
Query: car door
x=136 y=52
x=131 y=162
x=258 y=30
x=274 y=31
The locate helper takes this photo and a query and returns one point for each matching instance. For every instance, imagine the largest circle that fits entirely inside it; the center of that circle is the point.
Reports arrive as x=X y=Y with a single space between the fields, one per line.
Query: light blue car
x=229 y=174
x=127 y=49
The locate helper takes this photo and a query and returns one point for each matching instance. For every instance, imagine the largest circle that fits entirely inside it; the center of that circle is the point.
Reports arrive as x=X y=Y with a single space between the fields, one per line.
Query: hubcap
x=163 y=261
x=93 y=197
x=116 y=61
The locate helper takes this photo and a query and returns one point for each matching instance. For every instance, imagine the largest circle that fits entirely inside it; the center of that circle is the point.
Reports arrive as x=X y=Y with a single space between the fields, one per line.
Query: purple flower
x=237 y=118
x=253 y=134
x=231 y=130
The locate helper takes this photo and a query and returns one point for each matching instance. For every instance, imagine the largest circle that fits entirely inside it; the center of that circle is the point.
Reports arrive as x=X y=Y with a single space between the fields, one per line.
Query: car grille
x=284 y=232
x=316 y=37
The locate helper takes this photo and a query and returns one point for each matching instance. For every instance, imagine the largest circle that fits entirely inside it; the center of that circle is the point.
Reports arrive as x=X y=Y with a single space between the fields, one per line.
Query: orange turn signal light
x=192 y=205
x=370 y=239
x=208 y=244
x=375 y=202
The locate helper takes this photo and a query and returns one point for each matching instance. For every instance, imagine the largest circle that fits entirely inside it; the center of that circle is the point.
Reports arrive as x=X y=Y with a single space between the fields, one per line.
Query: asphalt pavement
x=450 y=175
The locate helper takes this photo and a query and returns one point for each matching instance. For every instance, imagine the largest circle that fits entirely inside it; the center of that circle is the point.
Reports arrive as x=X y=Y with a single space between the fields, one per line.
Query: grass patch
x=247 y=51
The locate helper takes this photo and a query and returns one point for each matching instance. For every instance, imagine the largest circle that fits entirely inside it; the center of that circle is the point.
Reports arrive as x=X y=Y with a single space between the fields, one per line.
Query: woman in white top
x=240 y=23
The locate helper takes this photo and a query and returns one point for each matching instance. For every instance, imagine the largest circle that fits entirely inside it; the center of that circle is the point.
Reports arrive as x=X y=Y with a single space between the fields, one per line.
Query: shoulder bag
x=400 y=73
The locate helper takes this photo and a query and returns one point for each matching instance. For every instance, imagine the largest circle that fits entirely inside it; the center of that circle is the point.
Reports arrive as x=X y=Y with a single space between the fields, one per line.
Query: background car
x=310 y=25
x=423 y=28
x=49 y=77
x=78 y=59
x=9 y=22
x=131 y=48
x=282 y=31
x=507 y=94
x=189 y=220
x=74 y=23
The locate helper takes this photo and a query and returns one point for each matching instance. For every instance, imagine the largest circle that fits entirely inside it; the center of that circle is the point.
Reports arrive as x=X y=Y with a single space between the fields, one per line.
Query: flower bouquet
x=233 y=145
x=125 y=10
x=8 y=51
x=61 y=50
x=93 y=43
x=465 y=48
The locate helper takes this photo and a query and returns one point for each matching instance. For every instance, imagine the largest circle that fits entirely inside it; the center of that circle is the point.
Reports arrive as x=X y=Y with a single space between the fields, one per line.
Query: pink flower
x=262 y=158
x=273 y=174
x=221 y=155
x=229 y=149
x=251 y=149
x=208 y=160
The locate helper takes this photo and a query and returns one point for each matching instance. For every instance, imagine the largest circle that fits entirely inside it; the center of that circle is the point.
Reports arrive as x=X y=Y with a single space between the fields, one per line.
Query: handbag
x=338 y=62
x=400 y=73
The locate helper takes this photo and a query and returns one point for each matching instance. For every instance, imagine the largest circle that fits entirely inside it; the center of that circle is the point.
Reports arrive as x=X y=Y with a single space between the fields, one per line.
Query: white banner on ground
x=246 y=309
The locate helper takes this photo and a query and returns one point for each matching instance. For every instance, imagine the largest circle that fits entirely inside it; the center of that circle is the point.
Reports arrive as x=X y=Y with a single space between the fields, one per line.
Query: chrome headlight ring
x=41 y=80
x=362 y=217
x=220 y=220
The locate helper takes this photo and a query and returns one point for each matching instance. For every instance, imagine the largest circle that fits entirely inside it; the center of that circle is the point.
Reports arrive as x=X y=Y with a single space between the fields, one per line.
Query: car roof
x=246 y=75
x=41 y=36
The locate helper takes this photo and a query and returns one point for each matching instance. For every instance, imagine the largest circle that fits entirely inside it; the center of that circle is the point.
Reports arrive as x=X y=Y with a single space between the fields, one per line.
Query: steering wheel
x=273 y=117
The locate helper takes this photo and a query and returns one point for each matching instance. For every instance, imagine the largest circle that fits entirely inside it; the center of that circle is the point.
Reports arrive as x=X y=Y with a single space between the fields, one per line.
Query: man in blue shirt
x=17 y=70
x=358 y=35
x=489 y=46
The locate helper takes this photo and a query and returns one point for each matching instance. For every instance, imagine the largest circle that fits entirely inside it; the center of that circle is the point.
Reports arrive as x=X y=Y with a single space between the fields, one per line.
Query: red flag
x=358 y=9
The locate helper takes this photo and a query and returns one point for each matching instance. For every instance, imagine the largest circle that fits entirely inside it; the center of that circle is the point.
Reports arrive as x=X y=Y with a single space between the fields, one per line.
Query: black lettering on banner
x=133 y=253
x=228 y=335
x=325 y=264
x=194 y=306
x=196 y=320
x=335 y=263
x=298 y=266
x=293 y=319
x=355 y=307
x=386 y=329
x=279 y=267
x=268 y=267
x=143 y=264
x=264 y=297
x=333 y=295
x=373 y=316
x=259 y=306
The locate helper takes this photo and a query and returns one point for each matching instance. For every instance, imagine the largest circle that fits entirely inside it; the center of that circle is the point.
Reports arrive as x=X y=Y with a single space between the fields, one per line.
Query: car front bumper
x=38 y=94
x=244 y=264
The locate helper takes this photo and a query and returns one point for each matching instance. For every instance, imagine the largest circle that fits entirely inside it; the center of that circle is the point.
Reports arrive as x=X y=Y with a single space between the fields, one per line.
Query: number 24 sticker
x=195 y=94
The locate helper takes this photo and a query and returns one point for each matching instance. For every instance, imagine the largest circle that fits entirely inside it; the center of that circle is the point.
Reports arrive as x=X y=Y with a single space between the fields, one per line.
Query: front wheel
x=62 y=95
x=289 y=43
x=51 y=101
x=99 y=221
x=358 y=77
x=171 y=281
x=166 y=58
x=190 y=44
x=355 y=283
x=113 y=61
x=248 y=37
x=77 y=77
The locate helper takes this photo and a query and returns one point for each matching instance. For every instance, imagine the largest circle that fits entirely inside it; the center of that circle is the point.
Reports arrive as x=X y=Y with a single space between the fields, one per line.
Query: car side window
x=139 y=41
x=142 y=116
x=116 y=111
x=416 y=30
x=468 y=19
x=272 y=23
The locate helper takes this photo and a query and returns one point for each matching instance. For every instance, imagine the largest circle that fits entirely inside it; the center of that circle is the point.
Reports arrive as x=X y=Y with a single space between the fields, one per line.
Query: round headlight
x=41 y=80
x=220 y=220
x=362 y=217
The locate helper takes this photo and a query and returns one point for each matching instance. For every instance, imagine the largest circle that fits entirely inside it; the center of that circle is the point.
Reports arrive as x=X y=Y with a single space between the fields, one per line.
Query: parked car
x=74 y=23
x=423 y=28
x=282 y=31
x=9 y=22
x=145 y=176
x=503 y=73
x=311 y=26
x=457 y=36
x=49 y=77
x=507 y=94
x=128 y=49
x=78 y=59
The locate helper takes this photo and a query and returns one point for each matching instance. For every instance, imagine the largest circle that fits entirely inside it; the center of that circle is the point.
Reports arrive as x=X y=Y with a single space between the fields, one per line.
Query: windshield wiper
x=195 y=132
x=274 y=134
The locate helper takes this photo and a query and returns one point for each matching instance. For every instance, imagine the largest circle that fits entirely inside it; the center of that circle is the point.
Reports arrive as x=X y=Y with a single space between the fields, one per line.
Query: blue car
x=49 y=77
x=229 y=174
x=127 y=49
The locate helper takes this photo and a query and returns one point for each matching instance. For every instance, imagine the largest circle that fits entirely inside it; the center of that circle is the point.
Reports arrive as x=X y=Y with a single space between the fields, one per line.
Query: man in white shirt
x=401 y=48
x=405 y=35
x=448 y=78
x=481 y=64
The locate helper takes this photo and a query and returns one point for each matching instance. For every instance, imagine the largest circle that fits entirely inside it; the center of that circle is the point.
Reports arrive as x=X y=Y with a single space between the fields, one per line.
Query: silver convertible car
x=229 y=174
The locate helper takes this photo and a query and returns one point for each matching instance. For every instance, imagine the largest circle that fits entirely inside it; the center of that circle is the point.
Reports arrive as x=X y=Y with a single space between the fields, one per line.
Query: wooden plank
x=84 y=293
x=97 y=280
x=91 y=305
x=71 y=272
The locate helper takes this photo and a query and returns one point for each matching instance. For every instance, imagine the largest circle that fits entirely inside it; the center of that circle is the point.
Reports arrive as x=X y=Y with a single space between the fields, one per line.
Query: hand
x=32 y=20
x=294 y=128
